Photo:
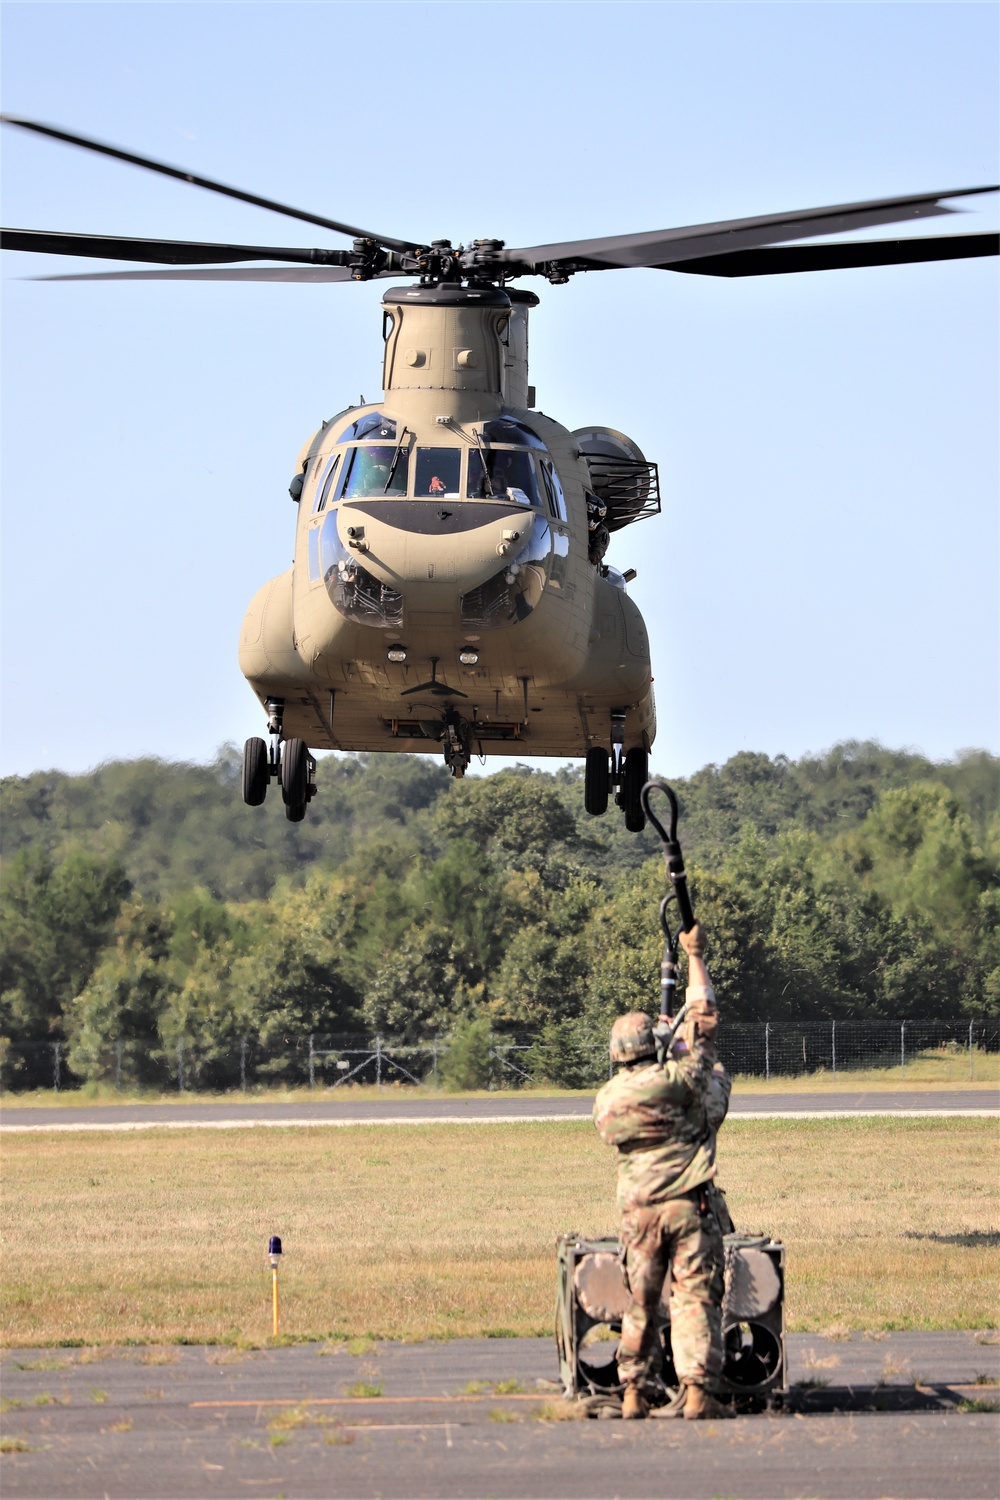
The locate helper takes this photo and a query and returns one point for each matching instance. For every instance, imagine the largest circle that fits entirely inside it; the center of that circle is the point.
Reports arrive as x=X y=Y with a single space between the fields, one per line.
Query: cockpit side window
x=372 y=471
x=371 y=426
x=325 y=482
x=506 y=469
x=439 y=473
x=554 y=490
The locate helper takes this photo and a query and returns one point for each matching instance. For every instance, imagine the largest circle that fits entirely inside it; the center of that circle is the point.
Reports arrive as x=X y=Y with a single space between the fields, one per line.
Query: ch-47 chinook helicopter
x=449 y=583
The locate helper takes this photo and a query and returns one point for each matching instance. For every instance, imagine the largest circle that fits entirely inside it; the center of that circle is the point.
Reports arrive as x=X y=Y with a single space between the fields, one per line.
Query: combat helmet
x=632 y=1038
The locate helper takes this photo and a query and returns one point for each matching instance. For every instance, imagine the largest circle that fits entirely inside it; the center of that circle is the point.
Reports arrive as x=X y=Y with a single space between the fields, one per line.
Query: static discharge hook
x=669 y=1020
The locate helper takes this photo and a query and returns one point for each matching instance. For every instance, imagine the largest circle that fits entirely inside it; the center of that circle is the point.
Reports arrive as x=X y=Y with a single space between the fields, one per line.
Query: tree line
x=144 y=900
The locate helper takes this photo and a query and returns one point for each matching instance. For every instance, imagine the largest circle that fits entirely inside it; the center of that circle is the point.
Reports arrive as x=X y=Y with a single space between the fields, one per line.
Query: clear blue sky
x=826 y=564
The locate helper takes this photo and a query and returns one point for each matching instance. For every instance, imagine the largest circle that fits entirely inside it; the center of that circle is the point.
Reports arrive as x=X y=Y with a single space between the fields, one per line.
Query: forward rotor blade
x=663 y=247
x=203 y=182
x=780 y=259
x=169 y=252
x=212 y=273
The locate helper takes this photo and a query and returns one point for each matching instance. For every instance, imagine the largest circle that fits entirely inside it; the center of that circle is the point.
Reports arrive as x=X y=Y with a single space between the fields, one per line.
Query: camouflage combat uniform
x=663 y=1123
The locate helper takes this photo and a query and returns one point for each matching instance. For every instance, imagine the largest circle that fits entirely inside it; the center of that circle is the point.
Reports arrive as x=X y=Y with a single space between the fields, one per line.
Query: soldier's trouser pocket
x=720 y=1208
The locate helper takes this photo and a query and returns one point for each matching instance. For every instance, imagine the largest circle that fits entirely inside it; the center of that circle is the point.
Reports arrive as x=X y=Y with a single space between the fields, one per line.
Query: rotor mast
x=458 y=351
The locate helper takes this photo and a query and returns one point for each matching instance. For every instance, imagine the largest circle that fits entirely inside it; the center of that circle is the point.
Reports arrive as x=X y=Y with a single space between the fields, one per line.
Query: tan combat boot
x=634 y=1405
x=699 y=1406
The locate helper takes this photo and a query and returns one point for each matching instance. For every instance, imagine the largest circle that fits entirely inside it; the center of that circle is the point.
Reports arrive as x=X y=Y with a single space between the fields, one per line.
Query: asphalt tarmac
x=231 y=1112
x=905 y=1415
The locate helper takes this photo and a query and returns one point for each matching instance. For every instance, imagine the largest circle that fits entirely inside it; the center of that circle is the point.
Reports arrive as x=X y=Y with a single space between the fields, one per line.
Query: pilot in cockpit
x=500 y=474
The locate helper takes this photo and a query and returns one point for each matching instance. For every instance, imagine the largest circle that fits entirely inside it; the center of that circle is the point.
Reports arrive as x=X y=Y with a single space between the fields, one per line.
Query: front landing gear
x=286 y=761
x=626 y=770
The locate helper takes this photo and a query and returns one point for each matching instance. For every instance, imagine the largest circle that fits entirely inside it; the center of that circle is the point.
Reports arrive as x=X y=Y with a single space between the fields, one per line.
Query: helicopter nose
x=411 y=545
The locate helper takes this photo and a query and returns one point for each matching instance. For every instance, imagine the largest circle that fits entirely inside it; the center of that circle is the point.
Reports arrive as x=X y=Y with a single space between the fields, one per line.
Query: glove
x=693 y=942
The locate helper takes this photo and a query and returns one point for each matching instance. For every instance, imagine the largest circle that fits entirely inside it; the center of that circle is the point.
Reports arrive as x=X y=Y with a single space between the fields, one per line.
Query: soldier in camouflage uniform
x=663 y=1123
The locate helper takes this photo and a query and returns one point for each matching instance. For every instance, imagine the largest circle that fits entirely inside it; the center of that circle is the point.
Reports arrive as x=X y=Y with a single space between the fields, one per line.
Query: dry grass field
x=438 y=1231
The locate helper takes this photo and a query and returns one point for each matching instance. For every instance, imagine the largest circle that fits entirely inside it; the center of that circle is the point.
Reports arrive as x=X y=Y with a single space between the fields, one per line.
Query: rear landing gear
x=628 y=771
x=285 y=761
x=256 y=772
x=596 y=782
x=296 y=778
x=634 y=776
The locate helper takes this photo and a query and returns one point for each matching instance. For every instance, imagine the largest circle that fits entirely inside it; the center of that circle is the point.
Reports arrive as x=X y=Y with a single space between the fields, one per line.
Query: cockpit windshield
x=439 y=473
x=373 y=471
x=505 y=469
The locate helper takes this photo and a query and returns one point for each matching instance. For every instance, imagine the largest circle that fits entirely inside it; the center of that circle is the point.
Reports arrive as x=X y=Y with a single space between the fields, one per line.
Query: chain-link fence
x=916 y=1050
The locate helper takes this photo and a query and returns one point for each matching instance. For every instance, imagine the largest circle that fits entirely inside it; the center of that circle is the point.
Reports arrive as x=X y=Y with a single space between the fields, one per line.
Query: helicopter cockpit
x=509 y=463
x=377 y=463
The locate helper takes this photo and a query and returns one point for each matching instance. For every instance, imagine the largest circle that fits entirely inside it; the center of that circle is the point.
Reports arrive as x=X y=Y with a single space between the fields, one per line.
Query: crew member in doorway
x=663 y=1120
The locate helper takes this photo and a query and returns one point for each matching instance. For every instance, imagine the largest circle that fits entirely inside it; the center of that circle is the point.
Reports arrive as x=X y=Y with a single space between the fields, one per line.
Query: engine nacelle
x=619 y=475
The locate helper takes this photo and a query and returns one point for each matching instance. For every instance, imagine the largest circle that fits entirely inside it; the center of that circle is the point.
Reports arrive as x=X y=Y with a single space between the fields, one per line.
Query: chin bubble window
x=439 y=473
x=355 y=592
x=509 y=473
x=513 y=592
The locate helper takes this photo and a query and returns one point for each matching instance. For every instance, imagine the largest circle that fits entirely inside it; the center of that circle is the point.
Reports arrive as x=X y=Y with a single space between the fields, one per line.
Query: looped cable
x=666 y=1028
x=645 y=796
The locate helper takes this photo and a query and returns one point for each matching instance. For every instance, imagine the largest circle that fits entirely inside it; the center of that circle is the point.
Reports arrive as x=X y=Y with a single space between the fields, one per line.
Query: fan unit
x=592 y=1299
x=620 y=475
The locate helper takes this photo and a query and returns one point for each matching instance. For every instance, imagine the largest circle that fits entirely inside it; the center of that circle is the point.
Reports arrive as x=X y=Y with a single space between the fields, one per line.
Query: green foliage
x=173 y=825
x=545 y=967
x=565 y=1056
x=146 y=900
x=124 y=999
x=466 y=1062
x=54 y=921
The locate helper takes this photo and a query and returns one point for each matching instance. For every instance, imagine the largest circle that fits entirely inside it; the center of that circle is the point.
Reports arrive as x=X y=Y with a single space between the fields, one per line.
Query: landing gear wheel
x=634 y=778
x=256 y=772
x=596 y=781
x=295 y=778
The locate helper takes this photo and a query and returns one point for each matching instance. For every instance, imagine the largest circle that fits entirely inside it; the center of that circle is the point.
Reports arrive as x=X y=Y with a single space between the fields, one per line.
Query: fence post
x=180 y=1067
x=378 y=1062
x=118 y=1067
x=971 y=1025
x=833 y=1043
x=434 y=1065
x=312 y=1063
x=767 y=1049
x=902 y=1050
x=243 y=1063
x=55 y=1067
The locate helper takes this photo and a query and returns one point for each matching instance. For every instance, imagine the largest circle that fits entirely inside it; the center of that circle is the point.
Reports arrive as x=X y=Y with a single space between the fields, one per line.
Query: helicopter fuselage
x=445 y=571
